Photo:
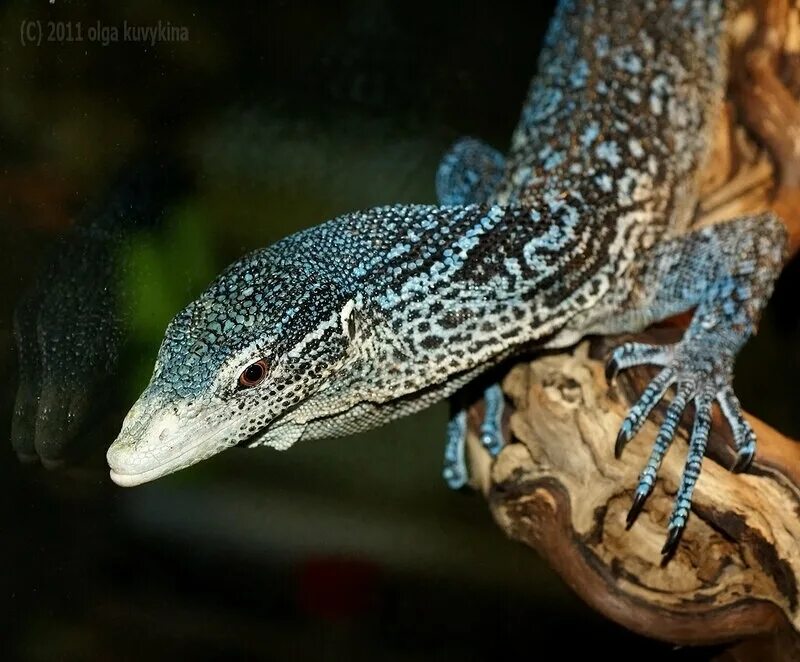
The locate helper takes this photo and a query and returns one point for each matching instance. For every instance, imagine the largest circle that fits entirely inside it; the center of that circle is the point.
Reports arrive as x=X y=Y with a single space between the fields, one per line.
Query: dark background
x=289 y=113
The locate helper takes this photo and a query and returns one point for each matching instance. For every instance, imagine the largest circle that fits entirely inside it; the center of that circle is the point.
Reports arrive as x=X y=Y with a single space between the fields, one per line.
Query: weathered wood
x=558 y=487
x=560 y=490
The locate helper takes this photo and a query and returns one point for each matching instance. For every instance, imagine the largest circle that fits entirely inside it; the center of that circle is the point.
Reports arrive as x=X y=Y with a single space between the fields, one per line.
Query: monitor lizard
x=582 y=228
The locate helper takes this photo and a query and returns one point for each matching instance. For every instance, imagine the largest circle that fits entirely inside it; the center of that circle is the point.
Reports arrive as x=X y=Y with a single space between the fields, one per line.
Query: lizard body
x=580 y=229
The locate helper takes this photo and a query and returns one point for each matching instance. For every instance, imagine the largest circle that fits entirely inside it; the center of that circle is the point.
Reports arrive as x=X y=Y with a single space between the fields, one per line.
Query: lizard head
x=237 y=367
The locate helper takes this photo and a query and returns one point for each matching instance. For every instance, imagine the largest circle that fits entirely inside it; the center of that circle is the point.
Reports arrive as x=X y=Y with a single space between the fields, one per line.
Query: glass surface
x=284 y=114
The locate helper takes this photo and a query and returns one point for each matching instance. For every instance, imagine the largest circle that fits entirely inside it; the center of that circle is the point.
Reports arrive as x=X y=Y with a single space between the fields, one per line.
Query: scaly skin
x=379 y=313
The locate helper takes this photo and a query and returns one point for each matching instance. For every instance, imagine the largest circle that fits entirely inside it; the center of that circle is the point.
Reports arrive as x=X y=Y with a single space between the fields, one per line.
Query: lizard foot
x=455 y=470
x=700 y=374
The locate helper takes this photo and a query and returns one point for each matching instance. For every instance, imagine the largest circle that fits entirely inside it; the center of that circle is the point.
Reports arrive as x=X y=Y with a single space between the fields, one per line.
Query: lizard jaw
x=163 y=444
x=132 y=480
x=125 y=474
x=119 y=454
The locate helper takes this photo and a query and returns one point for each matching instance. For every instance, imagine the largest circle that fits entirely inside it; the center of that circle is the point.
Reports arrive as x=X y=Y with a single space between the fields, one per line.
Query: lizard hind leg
x=727 y=272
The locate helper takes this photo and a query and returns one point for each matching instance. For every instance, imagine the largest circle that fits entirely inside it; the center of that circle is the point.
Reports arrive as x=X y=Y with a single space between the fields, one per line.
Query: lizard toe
x=631 y=354
x=639 y=412
x=744 y=439
x=663 y=440
x=455 y=471
x=492 y=425
x=691 y=472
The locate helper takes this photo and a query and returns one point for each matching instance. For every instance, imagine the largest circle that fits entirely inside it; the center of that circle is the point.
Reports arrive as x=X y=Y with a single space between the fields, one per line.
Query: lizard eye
x=253 y=374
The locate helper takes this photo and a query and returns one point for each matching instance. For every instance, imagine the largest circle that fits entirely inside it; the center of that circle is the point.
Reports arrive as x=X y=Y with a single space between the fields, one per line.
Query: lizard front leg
x=727 y=273
x=455 y=470
x=469 y=173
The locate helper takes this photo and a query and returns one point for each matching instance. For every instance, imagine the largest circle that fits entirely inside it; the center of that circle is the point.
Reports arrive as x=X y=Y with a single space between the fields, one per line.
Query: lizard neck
x=621 y=105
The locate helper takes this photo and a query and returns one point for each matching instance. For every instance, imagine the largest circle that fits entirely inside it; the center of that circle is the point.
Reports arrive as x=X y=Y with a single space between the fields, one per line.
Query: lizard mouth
x=127 y=475
x=132 y=480
x=162 y=445
x=128 y=472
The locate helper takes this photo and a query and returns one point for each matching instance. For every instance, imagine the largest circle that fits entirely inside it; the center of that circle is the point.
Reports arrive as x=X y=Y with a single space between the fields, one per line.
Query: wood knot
x=563 y=388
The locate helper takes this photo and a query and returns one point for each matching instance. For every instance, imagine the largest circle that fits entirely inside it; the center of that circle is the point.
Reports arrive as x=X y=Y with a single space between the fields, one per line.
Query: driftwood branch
x=558 y=487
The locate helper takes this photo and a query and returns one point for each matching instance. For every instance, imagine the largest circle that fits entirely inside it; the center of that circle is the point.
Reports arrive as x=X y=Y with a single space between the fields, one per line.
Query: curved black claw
x=612 y=368
x=639 y=499
x=744 y=438
x=743 y=461
x=673 y=538
x=619 y=445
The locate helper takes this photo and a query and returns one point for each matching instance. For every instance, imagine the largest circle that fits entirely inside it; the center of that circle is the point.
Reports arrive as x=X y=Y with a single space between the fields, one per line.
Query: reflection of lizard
x=581 y=229
x=69 y=326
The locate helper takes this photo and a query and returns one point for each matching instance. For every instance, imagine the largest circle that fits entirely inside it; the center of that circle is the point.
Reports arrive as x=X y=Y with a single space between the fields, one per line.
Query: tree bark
x=557 y=486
